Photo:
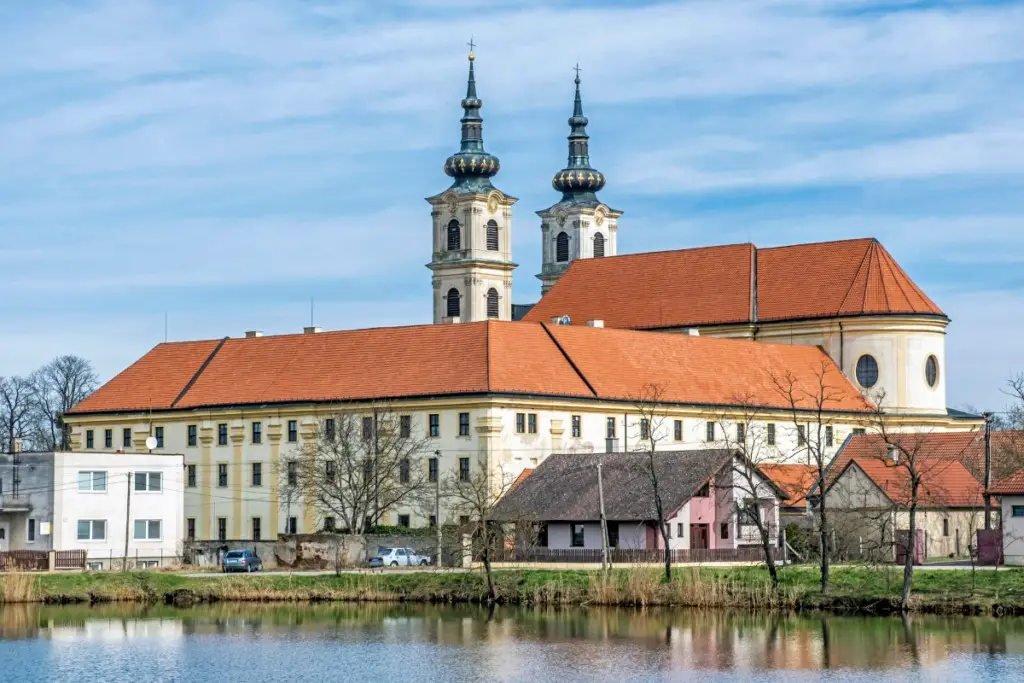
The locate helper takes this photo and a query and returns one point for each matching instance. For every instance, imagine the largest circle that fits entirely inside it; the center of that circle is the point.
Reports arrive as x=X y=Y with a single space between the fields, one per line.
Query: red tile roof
x=942 y=459
x=475 y=358
x=795 y=480
x=716 y=285
x=1012 y=485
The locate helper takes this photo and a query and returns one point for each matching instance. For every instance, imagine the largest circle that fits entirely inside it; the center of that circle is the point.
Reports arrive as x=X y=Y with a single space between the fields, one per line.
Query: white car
x=398 y=557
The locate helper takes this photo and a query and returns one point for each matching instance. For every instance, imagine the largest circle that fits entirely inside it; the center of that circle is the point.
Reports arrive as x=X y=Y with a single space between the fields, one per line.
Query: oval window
x=867 y=371
x=931 y=371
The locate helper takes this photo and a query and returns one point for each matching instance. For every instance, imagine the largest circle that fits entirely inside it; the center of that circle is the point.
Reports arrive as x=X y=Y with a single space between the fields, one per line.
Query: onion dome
x=578 y=181
x=472 y=167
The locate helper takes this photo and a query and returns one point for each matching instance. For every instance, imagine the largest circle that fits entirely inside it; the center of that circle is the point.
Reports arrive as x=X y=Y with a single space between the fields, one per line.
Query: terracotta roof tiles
x=795 y=480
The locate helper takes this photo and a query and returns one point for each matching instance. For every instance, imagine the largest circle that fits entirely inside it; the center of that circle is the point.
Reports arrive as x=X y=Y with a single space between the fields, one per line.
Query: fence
x=39 y=560
x=634 y=556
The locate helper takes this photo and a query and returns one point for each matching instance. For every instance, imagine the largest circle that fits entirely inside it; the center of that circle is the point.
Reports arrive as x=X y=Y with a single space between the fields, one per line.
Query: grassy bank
x=854 y=590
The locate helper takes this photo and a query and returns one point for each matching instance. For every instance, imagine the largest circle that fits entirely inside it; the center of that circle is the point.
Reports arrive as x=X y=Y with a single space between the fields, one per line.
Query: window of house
x=945 y=527
x=1017 y=510
x=367 y=470
x=577 y=426
x=645 y=428
x=610 y=427
x=222 y=475
x=328 y=428
x=148 y=481
x=292 y=473
x=329 y=471
x=724 y=531
x=828 y=435
x=222 y=528
x=403 y=471
x=931 y=371
x=520 y=423
x=704 y=491
x=222 y=434
x=492 y=303
x=463 y=424
x=257 y=528
x=454 y=235
x=190 y=476
x=680 y=532
x=434 y=422
x=432 y=521
x=257 y=474
x=403 y=521
x=463 y=520
x=88 y=438
x=367 y=428
x=147 y=530
x=771 y=434
x=108 y=438
x=531 y=423
x=190 y=526
x=562 y=247
x=193 y=435
x=126 y=437
x=859 y=430
x=598 y=245
x=709 y=431
x=577 y=536
x=542 y=535
x=463 y=469
x=92 y=530
x=867 y=371
x=405 y=426
x=30 y=531
x=613 y=534
x=741 y=433
x=329 y=524
x=92 y=482
x=801 y=435
x=452 y=303
x=432 y=470
x=677 y=430
x=292 y=525
x=158 y=432
x=293 y=430
x=492 y=235
x=257 y=432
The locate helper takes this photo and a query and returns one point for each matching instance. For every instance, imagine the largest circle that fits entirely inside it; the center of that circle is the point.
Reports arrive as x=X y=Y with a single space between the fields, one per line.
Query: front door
x=698 y=537
x=5 y=537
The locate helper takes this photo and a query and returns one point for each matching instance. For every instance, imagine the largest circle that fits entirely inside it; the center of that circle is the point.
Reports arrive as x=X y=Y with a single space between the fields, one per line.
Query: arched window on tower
x=598 y=245
x=492 y=236
x=454 y=236
x=492 y=303
x=453 y=303
x=562 y=247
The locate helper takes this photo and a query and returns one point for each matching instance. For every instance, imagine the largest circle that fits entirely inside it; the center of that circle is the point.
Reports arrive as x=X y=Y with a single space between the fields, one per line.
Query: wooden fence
x=625 y=556
x=39 y=560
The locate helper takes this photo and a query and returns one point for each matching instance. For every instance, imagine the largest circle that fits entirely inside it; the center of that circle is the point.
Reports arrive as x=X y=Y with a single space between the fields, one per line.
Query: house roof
x=736 y=283
x=941 y=458
x=564 y=486
x=473 y=358
x=1012 y=485
x=794 y=480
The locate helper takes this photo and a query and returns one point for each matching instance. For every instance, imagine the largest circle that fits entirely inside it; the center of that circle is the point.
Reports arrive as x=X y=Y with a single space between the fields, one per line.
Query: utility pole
x=988 y=469
x=127 y=522
x=604 y=522
x=437 y=507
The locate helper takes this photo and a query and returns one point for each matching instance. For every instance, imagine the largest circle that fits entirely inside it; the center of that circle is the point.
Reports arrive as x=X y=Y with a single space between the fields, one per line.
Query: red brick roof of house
x=736 y=283
x=491 y=357
x=795 y=480
x=1012 y=485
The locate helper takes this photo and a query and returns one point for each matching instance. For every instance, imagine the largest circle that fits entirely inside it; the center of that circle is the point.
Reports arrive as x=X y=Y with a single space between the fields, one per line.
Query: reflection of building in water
x=168 y=632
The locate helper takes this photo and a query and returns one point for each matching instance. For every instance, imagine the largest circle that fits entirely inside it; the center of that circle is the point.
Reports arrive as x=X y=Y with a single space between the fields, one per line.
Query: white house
x=1011 y=497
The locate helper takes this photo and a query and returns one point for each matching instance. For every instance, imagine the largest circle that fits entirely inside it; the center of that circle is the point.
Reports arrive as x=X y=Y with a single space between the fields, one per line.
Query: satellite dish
x=564 y=320
x=151 y=442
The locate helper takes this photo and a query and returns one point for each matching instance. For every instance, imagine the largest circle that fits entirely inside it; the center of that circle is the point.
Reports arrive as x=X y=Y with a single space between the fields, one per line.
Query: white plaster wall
x=632 y=535
x=1013 y=531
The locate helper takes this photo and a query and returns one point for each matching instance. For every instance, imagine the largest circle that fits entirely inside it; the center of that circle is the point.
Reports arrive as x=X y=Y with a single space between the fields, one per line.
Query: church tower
x=579 y=225
x=472 y=229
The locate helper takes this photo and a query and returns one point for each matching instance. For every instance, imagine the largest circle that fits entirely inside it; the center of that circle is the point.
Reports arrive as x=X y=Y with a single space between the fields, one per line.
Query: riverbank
x=854 y=590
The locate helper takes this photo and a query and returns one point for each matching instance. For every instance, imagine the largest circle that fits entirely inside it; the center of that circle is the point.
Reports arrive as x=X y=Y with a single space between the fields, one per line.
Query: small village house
x=1010 y=493
x=795 y=480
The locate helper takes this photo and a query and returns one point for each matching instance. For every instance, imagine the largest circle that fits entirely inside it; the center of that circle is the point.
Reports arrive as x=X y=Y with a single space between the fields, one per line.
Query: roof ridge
x=197 y=373
x=819 y=242
x=842 y=302
x=569 y=359
x=896 y=269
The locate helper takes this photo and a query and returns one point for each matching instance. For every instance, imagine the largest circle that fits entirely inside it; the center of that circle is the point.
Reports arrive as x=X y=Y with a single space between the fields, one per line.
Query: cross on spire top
x=471 y=46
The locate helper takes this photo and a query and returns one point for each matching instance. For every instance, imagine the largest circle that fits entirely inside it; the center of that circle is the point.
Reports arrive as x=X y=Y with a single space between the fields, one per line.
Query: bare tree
x=57 y=387
x=15 y=411
x=648 y=405
x=1015 y=412
x=809 y=406
x=361 y=465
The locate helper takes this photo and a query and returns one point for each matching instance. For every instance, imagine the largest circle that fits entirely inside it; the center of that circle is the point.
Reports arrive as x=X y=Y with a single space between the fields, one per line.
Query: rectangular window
x=292 y=525
x=257 y=528
x=577 y=536
x=158 y=432
x=828 y=435
x=222 y=528
x=108 y=438
x=92 y=482
x=403 y=521
x=610 y=428
x=463 y=520
x=435 y=425
x=404 y=426
x=257 y=432
x=725 y=531
x=432 y=522
x=680 y=532
x=147 y=530
x=367 y=470
x=89 y=439
x=328 y=428
x=577 y=427
x=542 y=535
x=1017 y=510
x=613 y=534
x=709 y=431
x=771 y=434
x=463 y=469
x=403 y=471
x=329 y=471
x=148 y=481
x=126 y=437
x=293 y=473
x=257 y=474
x=463 y=424
x=945 y=527
x=531 y=423
x=677 y=430
x=741 y=433
x=31 y=531
x=193 y=435
x=190 y=471
x=520 y=423
x=367 y=428
x=801 y=435
x=222 y=434
x=858 y=430
x=222 y=475
x=329 y=524
x=432 y=470
x=293 y=430
x=190 y=525
x=645 y=428
x=92 y=530
x=704 y=491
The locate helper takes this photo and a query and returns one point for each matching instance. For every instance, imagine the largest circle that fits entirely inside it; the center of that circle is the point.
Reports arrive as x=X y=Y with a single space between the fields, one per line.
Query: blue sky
x=225 y=161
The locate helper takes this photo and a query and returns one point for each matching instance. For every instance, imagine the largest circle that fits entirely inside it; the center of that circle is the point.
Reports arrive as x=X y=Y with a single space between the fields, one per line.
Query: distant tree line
x=32 y=407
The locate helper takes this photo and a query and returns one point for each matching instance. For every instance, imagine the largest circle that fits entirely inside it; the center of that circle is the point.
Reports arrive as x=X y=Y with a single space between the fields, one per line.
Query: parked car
x=242 y=561
x=398 y=557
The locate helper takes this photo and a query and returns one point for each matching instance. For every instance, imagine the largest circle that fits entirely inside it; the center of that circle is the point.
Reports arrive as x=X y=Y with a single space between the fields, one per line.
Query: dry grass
x=18 y=588
x=690 y=587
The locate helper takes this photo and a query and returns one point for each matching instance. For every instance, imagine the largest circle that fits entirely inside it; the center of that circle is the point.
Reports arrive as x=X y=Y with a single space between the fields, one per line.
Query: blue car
x=241 y=561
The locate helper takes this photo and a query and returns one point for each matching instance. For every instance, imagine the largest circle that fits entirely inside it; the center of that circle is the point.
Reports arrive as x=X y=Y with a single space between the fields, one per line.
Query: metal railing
x=634 y=556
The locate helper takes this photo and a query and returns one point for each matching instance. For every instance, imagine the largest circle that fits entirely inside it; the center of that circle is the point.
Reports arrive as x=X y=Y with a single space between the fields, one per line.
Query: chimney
x=311 y=330
x=252 y=334
x=693 y=331
x=595 y=323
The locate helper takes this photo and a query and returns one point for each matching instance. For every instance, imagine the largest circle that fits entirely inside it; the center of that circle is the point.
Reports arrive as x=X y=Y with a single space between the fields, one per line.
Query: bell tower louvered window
x=562 y=247
x=454 y=236
x=453 y=302
x=492 y=236
x=598 y=245
x=492 y=303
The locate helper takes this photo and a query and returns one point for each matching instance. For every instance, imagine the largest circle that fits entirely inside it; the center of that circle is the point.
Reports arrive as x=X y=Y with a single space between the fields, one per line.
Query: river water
x=384 y=643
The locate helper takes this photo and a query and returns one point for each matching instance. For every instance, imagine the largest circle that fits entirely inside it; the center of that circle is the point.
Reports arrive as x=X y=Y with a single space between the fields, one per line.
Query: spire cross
x=577 y=69
x=471 y=44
